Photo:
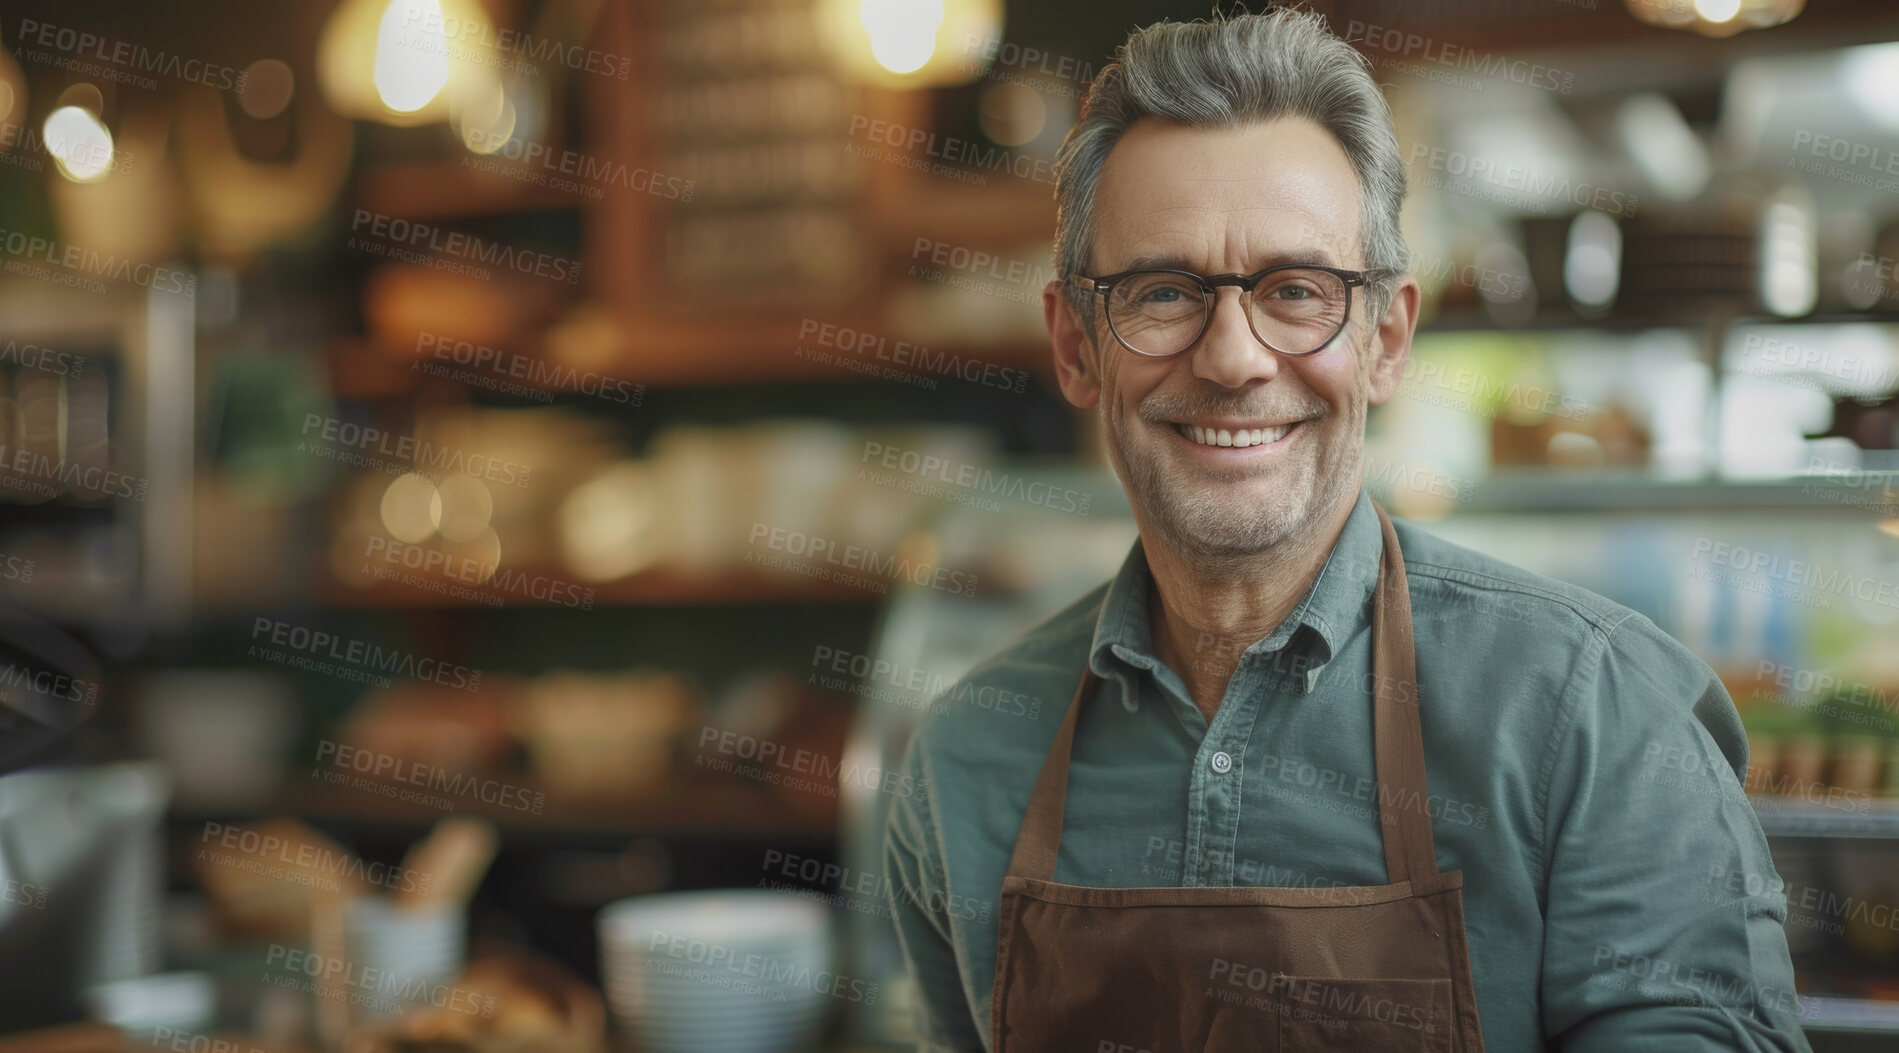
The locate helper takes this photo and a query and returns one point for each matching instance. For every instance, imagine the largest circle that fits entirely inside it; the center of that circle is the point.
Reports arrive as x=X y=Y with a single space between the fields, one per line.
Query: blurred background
x=489 y=485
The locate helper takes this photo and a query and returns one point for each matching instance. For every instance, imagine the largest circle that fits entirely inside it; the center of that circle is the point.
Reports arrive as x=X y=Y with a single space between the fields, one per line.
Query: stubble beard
x=1213 y=522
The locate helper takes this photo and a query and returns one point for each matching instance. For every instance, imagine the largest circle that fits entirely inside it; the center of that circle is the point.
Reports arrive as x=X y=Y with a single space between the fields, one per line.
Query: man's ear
x=1077 y=368
x=1391 y=342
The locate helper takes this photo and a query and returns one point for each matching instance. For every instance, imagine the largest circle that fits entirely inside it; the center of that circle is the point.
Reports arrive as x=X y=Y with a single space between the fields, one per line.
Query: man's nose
x=1228 y=353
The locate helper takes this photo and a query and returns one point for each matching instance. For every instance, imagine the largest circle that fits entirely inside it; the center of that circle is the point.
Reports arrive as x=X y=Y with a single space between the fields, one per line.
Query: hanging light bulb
x=1715 y=18
x=80 y=143
x=405 y=62
x=912 y=43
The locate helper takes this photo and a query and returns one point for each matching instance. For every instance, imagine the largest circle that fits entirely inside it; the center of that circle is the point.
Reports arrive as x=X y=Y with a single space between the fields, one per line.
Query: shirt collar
x=1333 y=608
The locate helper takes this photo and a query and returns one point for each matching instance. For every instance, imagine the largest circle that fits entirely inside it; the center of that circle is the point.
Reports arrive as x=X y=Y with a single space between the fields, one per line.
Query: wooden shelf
x=448 y=189
x=1793 y=817
x=646 y=588
x=683 y=804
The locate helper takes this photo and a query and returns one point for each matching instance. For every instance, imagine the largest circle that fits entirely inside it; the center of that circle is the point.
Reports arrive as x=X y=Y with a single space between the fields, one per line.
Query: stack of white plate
x=736 y=971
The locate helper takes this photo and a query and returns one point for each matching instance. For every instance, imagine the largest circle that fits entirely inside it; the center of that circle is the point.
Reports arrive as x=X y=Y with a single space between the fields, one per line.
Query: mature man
x=1324 y=783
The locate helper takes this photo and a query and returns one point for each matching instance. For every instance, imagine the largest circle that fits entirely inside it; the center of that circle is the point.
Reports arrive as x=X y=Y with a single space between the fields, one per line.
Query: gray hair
x=1222 y=73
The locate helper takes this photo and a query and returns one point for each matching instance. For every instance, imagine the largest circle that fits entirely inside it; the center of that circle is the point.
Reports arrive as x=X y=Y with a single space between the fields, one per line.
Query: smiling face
x=1229 y=448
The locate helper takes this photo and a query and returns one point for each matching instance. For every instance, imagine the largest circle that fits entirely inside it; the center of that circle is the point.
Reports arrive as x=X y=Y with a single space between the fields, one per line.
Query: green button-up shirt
x=1585 y=773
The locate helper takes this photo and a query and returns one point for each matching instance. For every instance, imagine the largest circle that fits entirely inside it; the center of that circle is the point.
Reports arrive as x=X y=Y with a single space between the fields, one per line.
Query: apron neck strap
x=1404 y=814
x=1398 y=742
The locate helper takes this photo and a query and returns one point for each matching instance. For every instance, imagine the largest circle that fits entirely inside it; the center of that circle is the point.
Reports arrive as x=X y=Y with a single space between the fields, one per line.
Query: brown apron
x=1365 y=968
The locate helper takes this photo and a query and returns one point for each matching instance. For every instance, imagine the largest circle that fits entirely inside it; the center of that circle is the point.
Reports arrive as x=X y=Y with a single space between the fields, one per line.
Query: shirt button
x=1222 y=762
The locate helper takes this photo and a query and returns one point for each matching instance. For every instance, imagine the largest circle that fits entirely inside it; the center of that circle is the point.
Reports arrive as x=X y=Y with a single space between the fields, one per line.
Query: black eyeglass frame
x=1245 y=283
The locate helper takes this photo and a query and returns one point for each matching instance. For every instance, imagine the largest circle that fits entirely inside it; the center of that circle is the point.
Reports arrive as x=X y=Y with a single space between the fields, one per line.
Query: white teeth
x=1227 y=437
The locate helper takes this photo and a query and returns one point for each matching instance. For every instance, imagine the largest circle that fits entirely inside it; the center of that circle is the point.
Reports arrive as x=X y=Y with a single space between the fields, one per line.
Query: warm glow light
x=411 y=54
x=486 y=119
x=461 y=508
x=902 y=32
x=1717 y=10
x=409 y=508
x=80 y=143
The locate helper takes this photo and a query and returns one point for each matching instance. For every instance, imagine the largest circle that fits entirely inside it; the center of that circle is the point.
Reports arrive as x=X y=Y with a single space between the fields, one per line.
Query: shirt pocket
x=1322 y=1014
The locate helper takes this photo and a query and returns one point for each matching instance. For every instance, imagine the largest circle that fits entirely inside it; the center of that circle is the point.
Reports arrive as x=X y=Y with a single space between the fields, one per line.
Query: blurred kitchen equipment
x=739 y=971
x=81 y=863
x=180 y=1002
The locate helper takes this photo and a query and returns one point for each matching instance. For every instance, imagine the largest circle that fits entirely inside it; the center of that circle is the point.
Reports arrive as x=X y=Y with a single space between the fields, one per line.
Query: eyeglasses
x=1293 y=308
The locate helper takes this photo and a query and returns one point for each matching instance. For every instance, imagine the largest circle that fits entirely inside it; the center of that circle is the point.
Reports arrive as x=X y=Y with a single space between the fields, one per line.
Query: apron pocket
x=1320 y=1014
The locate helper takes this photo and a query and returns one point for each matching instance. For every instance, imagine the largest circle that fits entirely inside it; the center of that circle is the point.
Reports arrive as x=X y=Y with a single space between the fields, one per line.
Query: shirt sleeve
x=1648 y=835
x=918 y=899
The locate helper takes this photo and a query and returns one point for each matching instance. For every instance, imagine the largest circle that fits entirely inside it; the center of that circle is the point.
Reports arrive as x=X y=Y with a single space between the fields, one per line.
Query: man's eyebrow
x=1177 y=262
